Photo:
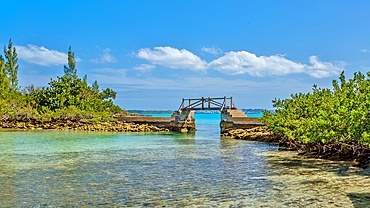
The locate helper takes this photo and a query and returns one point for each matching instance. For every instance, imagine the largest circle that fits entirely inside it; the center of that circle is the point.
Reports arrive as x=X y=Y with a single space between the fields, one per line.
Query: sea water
x=99 y=169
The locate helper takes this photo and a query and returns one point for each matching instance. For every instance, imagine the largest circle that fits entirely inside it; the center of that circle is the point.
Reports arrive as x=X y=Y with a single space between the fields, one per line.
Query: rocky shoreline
x=345 y=151
x=253 y=134
x=81 y=125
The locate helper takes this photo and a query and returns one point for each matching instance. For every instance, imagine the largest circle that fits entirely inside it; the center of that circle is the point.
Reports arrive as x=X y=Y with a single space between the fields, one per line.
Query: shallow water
x=77 y=169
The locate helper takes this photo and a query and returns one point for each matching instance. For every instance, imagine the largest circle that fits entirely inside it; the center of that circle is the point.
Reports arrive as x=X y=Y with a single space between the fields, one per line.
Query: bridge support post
x=183 y=121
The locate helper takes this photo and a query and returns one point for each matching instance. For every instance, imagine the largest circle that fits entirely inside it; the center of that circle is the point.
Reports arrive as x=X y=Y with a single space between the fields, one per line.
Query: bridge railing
x=207 y=103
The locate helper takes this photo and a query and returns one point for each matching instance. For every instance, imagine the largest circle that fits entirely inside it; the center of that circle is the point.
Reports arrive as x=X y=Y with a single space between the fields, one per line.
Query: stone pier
x=183 y=121
x=237 y=119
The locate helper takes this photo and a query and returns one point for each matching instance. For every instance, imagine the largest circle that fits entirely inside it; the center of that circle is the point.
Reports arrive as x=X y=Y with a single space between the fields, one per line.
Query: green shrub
x=325 y=115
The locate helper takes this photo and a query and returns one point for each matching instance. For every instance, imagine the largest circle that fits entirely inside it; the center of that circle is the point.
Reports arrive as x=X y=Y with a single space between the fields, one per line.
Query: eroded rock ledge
x=112 y=126
x=259 y=133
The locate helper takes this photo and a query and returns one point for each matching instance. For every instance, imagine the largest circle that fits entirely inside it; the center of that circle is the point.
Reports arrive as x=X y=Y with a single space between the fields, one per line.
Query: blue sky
x=154 y=53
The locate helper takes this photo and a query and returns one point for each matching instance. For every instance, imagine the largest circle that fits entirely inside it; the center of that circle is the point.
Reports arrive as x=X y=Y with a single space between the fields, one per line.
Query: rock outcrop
x=81 y=125
x=259 y=133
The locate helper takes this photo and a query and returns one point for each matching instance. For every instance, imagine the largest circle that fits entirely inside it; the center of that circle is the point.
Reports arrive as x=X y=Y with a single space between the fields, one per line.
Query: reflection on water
x=56 y=168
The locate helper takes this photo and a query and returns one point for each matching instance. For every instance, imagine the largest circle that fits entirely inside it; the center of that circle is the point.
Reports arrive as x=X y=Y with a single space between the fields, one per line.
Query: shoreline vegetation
x=67 y=97
x=68 y=103
x=327 y=122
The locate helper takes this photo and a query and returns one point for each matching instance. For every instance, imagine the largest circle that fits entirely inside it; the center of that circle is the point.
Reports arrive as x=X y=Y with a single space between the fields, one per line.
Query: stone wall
x=179 y=122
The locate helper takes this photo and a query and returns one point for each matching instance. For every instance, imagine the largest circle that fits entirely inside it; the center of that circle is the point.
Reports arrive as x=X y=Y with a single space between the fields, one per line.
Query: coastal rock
x=255 y=133
x=82 y=125
x=183 y=126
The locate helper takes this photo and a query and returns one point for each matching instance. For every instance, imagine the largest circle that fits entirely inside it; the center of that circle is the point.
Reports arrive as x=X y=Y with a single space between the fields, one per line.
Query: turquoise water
x=255 y=115
x=85 y=169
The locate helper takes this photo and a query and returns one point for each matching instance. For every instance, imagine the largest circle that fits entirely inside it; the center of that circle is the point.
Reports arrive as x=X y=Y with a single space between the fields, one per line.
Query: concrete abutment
x=237 y=119
x=183 y=121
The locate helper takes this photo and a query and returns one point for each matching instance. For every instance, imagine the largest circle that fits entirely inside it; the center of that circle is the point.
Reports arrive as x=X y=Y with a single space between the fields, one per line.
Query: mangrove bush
x=325 y=115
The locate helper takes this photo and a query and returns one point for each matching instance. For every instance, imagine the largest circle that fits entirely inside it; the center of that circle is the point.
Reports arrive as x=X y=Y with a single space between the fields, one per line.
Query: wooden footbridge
x=193 y=104
x=183 y=119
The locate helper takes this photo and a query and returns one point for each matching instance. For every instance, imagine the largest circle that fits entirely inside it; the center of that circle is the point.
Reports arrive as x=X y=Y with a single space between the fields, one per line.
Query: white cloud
x=144 y=67
x=320 y=69
x=242 y=62
x=364 y=50
x=238 y=62
x=212 y=50
x=172 y=58
x=105 y=58
x=41 y=55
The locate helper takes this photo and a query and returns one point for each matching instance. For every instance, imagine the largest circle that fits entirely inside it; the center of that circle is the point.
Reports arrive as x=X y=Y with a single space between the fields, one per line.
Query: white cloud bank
x=240 y=62
x=172 y=58
x=105 y=58
x=41 y=55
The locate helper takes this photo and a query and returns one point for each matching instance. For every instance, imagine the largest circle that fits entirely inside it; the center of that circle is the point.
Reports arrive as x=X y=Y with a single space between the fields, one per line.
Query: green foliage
x=70 y=90
x=70 y=70
x=324 y=115
x=100 y=119
x=66 y=97
x=11 y=65
x=12 y=103
x=109 y=119
x=4 y=80
x=92 y=119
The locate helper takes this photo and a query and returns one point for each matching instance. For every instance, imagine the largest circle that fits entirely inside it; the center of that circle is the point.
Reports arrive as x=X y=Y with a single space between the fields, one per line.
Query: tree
x=11 y=65
x=4 y=81
x=69 y=91
x=95 y=87
x=71 y=70
x=107 y=94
